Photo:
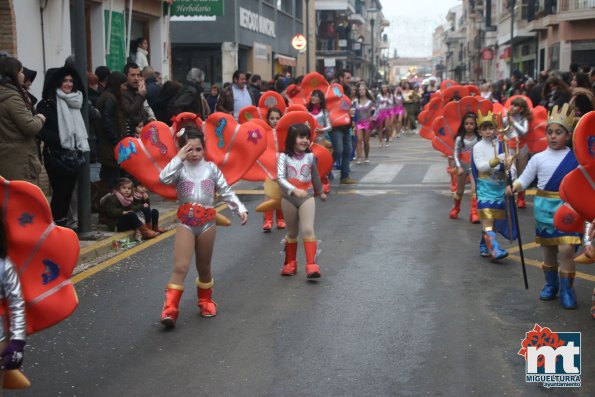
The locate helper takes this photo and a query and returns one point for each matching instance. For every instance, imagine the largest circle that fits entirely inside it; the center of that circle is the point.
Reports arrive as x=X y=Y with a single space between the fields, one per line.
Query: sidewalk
x=115 y=242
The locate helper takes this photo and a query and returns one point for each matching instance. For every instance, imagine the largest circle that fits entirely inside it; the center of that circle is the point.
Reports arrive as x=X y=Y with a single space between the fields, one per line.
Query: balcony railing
x=575 y=5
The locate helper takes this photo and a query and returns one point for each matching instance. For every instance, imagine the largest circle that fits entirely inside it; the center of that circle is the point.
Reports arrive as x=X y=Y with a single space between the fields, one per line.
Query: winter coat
x=18 y=128
x=112 y=210
x=111 y=128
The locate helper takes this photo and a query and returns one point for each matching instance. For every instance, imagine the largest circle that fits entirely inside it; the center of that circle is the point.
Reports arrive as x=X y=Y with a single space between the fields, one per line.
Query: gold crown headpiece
x=487 y=118
x=565 y=117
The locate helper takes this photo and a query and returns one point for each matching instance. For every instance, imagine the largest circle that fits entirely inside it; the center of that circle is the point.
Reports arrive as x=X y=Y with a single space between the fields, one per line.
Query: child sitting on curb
x=119 y=210
x=142 y=201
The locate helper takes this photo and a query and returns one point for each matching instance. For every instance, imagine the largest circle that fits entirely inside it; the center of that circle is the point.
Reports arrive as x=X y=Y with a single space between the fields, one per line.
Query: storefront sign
x=330 y=62
x=299 y=42
x=487 y=54
x=505 y=54
x=260 y=51
x=257 y=23
x=191 y=8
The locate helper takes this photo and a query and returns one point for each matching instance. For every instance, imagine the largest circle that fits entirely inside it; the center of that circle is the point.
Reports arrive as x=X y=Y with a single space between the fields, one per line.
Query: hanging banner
x=192 y=8
x=116 y=59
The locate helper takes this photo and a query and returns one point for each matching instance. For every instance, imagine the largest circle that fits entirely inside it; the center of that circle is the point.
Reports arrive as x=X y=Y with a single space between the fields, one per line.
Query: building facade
x=251 y=35
x=490 y=39
x=350 y=35
x=40 y=34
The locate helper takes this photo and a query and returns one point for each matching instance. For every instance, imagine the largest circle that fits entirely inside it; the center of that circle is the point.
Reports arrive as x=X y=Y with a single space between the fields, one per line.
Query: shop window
x=555 y=57
x=285 y=6
x=299 y=9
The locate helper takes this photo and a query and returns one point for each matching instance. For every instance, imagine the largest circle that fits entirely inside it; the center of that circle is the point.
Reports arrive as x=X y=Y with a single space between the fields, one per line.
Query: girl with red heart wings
x=197 y=181
x=550 y=167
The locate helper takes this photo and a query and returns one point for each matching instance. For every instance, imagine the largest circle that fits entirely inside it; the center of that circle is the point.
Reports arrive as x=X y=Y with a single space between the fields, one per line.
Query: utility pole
x=307 y=36
x=511 y=4
x=80 y=60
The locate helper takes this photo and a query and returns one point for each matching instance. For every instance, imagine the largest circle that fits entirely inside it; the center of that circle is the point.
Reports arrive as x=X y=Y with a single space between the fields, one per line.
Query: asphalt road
x=405 y=307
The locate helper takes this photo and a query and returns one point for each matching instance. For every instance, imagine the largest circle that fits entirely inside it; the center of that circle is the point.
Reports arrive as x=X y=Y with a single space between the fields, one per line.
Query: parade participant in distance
x=297 y=175
x=364 y=111
x=317 y=108
x=197 y=183
x=550 y=167
x=467 y=137
x=385 y=116
x=518 y=118
x=489 y=165
x=273 y=117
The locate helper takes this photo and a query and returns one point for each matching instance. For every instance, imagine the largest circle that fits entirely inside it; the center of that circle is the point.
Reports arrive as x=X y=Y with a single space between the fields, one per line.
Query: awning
x=285 y=60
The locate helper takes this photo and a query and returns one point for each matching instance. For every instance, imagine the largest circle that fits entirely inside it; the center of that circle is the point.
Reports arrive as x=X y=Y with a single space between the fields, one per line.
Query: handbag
x=66 y=160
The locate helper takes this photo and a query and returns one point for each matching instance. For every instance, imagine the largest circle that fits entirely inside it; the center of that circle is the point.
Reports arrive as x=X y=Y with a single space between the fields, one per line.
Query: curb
x=104 y=246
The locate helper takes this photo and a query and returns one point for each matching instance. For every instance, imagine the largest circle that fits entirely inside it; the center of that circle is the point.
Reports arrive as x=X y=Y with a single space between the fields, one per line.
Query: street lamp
x=511 y=4
x=373 y=13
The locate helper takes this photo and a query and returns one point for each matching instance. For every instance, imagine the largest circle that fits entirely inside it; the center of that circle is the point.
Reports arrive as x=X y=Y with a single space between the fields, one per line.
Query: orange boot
x=280 y=220
x=456 y=208
x=520 y=201
x=312 y=269
x=267 y=221
x=147 y=233
x=290 y=265
x=173 y=294
x=208 y=308
x=474 y=216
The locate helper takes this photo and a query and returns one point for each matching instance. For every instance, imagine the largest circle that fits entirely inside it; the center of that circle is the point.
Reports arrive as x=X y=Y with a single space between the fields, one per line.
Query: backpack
x=182 y=101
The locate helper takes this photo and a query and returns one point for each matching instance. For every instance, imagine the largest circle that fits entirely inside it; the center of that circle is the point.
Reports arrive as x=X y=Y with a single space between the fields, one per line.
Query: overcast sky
x=412 y=23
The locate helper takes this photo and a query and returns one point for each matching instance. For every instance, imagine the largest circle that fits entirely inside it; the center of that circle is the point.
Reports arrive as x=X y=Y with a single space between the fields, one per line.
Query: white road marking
x=436 y=174
x=382 y=173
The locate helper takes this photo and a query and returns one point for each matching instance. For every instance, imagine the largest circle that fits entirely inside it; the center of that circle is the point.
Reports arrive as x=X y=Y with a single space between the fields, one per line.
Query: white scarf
x=73 y=134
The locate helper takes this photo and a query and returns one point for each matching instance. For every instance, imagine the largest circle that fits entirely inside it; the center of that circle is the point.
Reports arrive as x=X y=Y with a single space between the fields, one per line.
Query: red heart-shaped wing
x=271 y=99
x=144 y=158
x=250 y=113
x=535 y=138
x=324 y=159
x=266 y=165
x=433 y=110
x=567 y=220
x=290 y=119
x=454 y=93
x=296 y=107
x=584 y=143
x=442 y=140
x=447 y=84
x=338 y=105
x=233 y=147
x=295 y=95
x=44 y=254
x=312 y=81
x=473 y=90
x=578 y=191
x=508 y=102
x=455 y=111
x=182 y=119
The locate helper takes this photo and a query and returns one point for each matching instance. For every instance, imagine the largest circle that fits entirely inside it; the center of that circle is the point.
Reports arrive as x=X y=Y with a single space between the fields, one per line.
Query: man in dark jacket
x=254 y=87
x=151 y=84
x=134 y=99
x=236 y=96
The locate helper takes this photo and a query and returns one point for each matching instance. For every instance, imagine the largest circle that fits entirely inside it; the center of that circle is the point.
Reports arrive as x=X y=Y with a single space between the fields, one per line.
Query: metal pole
x=307 y=36
x=129 y=28
x=372 y=21
x=80 y=59
x=511 y=4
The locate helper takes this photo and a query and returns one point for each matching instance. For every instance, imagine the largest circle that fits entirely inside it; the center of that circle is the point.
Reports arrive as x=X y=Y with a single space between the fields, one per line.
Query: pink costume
x=385 y=105
x=364 y=113
x=397 y=109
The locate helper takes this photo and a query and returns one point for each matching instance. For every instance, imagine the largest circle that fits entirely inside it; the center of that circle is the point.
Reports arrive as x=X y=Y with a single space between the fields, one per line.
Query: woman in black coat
x=64 y=131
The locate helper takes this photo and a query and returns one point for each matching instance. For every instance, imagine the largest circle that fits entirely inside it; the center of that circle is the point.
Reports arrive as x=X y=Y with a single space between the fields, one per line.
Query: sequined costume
x=550 y=167
x=197 y=185
x=364 y=113
x=397 y=109
x=519 y=127
x=298 y=172
x=10 y=290
x=324 y=122
x=385 y=106
x=462 y=154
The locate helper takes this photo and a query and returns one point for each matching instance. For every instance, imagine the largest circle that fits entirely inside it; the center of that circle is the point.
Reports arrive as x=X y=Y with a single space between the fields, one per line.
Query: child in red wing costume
x=197 y=182
x=273 y=117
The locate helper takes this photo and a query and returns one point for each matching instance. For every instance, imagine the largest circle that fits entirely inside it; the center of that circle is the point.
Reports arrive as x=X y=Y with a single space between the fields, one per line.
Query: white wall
x=56 y=19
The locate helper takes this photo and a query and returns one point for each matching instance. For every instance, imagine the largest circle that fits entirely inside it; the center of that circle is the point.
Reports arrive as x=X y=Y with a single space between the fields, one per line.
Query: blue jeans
x=341 y=140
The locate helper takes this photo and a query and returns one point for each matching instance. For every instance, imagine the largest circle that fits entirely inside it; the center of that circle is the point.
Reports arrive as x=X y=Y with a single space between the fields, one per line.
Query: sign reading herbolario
x=193 y=8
